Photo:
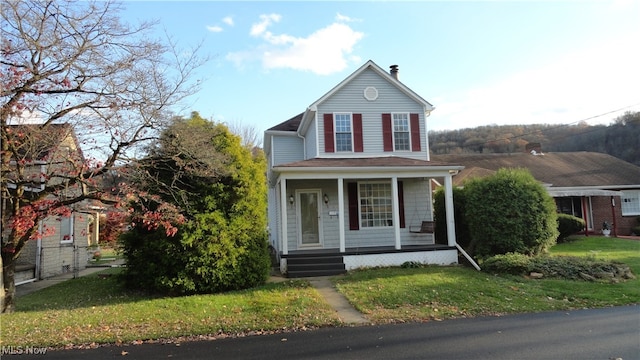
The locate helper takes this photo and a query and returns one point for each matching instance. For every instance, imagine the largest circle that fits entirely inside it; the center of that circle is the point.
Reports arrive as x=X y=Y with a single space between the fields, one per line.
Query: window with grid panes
x=344 y=138
x=401 y=132
x=630 y=203
x=376 y=208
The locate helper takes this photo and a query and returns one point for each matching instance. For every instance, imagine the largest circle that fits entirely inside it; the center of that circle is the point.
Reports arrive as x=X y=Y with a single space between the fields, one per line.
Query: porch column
x=341 y=213
x=283 y=216
x=396 y=211
x=448 y=204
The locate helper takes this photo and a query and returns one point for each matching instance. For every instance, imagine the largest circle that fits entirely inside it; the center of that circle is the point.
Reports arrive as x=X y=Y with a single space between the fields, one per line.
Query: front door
x=309 y=218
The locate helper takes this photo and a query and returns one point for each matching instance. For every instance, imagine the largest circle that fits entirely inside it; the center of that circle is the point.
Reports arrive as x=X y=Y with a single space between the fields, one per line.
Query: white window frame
x=394 y=131
x=68 y=237
x=630 y=202
x=381 y=222
x=336 y=132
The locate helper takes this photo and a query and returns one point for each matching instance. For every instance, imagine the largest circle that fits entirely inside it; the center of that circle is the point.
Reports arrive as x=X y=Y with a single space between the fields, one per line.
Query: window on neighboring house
x=66 y=229
x=401 y=132
x=343 y=133
x=630 y=202
x=376 y=207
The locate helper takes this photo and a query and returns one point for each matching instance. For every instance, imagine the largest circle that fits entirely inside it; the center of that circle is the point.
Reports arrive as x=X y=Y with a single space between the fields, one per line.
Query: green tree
x=111 y=84
x=220 y=186
x=509 y=212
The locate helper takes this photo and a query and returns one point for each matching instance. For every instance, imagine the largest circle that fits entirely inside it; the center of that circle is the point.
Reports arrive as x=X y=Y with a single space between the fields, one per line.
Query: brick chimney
x=394 y=71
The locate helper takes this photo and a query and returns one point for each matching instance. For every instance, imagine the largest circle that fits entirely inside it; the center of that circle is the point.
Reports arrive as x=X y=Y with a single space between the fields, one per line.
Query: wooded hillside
x=620 y=139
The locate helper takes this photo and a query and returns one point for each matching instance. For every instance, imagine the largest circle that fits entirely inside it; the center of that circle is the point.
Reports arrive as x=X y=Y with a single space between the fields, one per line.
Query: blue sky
x=479 y=63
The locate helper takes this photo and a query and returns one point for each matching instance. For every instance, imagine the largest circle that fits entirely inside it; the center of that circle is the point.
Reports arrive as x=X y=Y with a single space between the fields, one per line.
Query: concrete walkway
x=346 y=312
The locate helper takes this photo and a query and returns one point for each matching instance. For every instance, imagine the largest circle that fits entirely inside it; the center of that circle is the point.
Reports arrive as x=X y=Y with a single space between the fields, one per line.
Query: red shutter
x=387 y=133
x=401 y=204
x=357 y=133
x=354 y=220
x=415 y=132
x=328 y=133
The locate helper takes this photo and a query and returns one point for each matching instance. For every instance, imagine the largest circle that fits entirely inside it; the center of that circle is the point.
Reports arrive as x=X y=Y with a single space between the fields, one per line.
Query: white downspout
x=39 y=251
x=426 y=134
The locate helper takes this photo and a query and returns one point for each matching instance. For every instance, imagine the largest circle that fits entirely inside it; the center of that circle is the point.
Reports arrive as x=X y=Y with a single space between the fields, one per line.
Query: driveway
x=604 y=334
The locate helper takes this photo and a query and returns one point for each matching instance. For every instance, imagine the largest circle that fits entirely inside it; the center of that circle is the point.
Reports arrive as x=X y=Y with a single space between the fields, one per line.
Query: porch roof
x=378 y=164
x=365 y=162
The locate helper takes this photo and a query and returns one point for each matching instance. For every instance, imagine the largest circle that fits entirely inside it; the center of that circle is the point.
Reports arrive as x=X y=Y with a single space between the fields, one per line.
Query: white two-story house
x=350 y=180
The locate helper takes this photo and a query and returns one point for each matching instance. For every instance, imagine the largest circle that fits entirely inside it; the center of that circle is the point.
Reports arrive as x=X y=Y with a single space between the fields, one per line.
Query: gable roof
x=300 y=121
x=562 y=169
x=288 y=125
x=38 y=142
x=385 y=75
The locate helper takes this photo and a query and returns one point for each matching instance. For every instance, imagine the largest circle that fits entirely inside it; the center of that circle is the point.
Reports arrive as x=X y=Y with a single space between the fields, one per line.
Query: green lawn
x=435 y=293
x=96 y=309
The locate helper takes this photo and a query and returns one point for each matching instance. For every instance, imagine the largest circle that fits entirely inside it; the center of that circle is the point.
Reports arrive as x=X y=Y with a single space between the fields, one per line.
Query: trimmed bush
x=509 y=211
x=562 y=267
x=568 y=225
x=511 y=263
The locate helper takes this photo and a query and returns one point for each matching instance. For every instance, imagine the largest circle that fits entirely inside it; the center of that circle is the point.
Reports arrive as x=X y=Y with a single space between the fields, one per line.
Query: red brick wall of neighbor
x=602 y=212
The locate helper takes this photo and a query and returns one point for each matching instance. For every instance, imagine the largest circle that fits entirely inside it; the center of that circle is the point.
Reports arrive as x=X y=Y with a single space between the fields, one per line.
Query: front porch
x=359 y=212
x=328 y=262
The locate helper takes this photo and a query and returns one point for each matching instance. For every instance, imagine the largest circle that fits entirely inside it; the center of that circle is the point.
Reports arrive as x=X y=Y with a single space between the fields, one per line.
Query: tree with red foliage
x=79 y=93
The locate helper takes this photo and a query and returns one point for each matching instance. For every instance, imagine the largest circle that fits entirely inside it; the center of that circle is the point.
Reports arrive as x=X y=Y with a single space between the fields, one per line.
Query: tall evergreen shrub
x=223 y=244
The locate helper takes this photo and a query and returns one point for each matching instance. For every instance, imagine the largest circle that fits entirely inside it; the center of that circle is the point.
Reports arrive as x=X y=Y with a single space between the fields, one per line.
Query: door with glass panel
x=309 y=218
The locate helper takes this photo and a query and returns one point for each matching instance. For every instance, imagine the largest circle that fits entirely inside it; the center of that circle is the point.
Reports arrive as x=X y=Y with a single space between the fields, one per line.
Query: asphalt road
x=611 y=333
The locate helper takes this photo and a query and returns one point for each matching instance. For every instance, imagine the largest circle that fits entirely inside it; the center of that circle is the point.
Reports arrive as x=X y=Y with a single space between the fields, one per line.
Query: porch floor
x=367 y=250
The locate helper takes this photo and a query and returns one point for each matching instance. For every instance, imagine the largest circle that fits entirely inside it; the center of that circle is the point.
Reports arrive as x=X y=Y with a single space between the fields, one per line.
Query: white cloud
x=215 y=28
x=325 y=51
x=228 y=20
x=259 y=28
x=344 y=18
x=577 y=86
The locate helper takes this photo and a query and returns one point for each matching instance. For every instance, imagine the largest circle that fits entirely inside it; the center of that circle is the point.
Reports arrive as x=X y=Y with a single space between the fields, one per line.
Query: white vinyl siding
x=286 y=149
x=349 y=99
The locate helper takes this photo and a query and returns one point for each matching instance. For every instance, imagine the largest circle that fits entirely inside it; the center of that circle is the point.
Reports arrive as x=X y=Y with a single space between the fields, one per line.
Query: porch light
x=291 y=199
x=326 y=199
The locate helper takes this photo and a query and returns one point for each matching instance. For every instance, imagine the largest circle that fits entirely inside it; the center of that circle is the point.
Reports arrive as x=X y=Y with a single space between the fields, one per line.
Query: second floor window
x=343 y=132
x=401 y=132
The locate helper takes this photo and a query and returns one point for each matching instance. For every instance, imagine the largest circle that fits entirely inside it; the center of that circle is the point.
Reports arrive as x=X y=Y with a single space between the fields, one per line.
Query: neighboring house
x=349 y=180
x=63 y=248
x=593 y=186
